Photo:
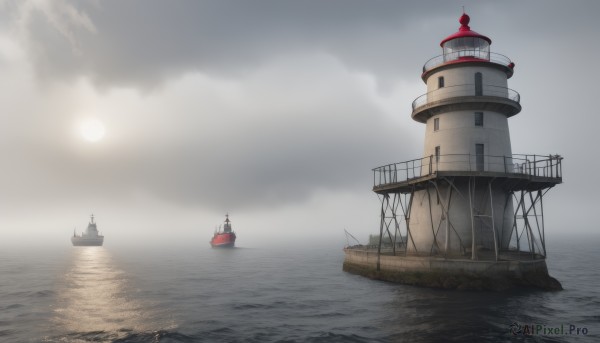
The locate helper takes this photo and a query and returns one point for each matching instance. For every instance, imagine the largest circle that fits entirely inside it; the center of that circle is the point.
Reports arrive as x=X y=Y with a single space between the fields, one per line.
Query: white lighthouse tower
x=466 y=110
x=470 y=205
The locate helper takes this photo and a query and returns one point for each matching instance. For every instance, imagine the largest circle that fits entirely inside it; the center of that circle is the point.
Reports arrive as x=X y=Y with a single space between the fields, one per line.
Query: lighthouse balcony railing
x=465 y=90
x=467 y=55
x=549 y=166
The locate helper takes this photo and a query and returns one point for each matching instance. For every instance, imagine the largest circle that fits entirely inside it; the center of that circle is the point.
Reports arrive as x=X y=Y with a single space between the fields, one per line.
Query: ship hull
x=223 y=240
x=223 y=245
x=87 y=242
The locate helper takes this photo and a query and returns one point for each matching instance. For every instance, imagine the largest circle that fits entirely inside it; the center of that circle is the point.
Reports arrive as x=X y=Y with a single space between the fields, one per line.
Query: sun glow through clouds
x=92 y=130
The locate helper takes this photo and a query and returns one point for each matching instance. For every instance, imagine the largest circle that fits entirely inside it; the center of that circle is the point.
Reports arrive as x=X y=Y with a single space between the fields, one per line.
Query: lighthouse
x=466 y=111
x=469 y=208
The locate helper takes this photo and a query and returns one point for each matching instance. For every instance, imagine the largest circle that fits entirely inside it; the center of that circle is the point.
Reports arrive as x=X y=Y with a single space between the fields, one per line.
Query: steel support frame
x=390 y=204
x=528 y=218
x=529 y=221
x=481 y=214
x=388 y=216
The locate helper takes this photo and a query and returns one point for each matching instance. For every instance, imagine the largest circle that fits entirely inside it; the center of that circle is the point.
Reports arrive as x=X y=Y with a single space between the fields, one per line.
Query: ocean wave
x=124 y=336
x=44 y=293
x=13 y=306
x=156 y=336
x=332 y=337
x=7 y=332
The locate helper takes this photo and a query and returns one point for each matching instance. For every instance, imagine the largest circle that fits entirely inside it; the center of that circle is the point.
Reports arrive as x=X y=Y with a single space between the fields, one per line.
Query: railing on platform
x=549 y=166
x=465 y=90
x=467 y=54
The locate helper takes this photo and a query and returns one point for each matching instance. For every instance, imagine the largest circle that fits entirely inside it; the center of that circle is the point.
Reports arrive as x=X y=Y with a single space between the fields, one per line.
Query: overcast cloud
x=273 y=110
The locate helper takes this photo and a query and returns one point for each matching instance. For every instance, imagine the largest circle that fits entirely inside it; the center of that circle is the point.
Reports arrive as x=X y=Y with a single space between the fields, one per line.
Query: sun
x=92 y=130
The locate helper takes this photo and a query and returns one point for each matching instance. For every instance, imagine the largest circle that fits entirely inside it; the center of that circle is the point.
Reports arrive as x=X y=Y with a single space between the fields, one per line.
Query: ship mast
x=227 y=227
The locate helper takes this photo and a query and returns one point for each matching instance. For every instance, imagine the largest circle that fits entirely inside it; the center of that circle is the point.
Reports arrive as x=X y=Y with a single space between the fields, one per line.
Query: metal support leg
x=493 y=224
x=473 y=251
x=384 y=200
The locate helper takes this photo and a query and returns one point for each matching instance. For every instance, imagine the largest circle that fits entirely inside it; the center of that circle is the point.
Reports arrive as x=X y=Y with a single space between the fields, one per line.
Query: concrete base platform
x=451 y=273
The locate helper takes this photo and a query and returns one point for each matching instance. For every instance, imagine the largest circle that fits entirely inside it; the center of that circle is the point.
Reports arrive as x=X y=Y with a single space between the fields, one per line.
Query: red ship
x=225 y=238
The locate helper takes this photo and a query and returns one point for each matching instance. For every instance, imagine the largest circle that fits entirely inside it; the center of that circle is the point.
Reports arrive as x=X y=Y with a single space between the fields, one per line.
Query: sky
x=162 y=116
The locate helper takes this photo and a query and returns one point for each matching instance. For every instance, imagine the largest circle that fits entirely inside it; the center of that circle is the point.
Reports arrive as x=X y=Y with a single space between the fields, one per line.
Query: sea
x=283 y=293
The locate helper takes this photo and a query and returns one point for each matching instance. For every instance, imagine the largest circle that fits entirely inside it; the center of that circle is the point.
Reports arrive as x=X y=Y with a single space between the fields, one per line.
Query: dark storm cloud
x=141 y=43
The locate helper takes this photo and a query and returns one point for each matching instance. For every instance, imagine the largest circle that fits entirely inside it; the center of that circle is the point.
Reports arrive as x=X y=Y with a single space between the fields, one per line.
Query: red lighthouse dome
x=464 y=31
x=466 y=46
x=466 y=43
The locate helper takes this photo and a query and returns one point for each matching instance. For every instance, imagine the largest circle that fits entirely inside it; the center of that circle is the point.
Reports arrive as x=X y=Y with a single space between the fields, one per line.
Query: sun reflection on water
x=95 y=299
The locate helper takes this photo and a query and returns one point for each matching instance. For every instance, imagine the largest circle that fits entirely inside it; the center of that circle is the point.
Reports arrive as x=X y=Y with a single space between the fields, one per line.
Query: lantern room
x=466 y=44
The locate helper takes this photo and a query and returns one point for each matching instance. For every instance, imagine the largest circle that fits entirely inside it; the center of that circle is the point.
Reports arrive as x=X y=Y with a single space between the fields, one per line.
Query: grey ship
x=91 y=236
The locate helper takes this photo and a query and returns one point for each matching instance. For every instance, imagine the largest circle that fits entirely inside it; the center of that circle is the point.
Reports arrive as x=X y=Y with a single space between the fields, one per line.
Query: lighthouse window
x=478 y=84
x=436 y=124
x=479 y=157
x=437 y=154
x=478 y=118
x=440 y=82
